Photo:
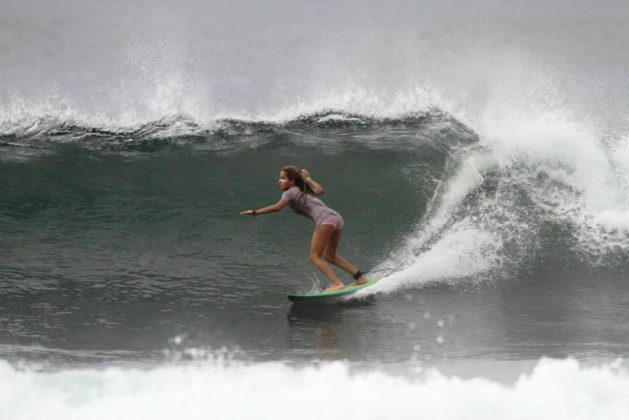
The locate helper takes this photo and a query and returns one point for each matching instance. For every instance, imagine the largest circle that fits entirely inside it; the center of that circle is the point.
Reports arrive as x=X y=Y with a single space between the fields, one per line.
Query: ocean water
x=479 y=154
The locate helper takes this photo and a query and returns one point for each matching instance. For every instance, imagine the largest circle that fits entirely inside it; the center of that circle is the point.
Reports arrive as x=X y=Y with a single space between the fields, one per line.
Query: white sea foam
x=570 y=173
x=461 y=254
x=555 y=389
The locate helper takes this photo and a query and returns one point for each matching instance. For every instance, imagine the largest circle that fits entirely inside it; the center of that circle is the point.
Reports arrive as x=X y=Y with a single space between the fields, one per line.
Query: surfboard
x=317 y=296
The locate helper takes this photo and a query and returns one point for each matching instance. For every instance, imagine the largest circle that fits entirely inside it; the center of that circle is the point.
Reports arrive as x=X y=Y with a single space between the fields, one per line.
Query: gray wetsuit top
x=308 y=205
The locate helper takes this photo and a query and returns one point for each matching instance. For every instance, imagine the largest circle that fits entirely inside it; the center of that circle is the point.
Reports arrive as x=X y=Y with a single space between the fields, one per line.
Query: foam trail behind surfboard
x=459 y=255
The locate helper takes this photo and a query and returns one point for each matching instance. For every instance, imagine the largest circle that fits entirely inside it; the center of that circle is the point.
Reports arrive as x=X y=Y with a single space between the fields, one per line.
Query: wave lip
x=556 y=389
x=178 y=130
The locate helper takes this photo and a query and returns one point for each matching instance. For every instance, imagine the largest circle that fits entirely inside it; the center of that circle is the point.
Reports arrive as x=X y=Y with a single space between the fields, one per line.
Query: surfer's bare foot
x=334 y=287
x=361 y=280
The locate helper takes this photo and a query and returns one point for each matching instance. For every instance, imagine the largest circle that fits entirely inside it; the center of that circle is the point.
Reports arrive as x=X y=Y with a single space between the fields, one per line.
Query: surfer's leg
x=331 y=257
x=330 y=253
x=320 y=238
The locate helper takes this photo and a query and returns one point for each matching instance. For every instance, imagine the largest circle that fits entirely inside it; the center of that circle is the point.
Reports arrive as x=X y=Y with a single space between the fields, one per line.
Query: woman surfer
x=301 y=193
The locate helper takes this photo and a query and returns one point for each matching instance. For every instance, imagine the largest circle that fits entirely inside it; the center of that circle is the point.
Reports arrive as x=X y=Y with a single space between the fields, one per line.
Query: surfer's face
x=285 y=183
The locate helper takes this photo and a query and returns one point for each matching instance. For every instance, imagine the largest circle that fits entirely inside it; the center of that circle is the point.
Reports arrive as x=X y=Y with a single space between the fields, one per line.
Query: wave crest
x=182 y=130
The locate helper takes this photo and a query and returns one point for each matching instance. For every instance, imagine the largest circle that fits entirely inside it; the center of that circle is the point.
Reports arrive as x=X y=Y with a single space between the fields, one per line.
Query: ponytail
x=292 y=172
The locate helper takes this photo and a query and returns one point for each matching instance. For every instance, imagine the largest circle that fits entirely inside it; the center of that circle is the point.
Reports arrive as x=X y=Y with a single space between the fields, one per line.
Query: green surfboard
x=317 y=296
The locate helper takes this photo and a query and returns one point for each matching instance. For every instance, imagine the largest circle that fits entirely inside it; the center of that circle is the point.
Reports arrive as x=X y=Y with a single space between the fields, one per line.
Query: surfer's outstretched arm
x=268 y=209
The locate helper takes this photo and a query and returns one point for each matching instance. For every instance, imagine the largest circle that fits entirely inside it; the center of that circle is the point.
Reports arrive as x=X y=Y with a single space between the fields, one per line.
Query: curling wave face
x=485 y=205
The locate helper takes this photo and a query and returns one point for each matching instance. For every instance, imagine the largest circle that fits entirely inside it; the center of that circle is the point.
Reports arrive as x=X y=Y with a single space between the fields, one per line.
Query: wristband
x=254 y=212
x=308 y=179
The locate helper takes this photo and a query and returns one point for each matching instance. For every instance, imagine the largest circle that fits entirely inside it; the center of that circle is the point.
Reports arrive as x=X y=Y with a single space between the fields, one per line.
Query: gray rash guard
x=308 y=205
